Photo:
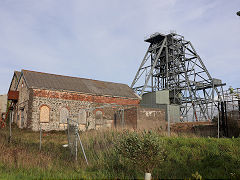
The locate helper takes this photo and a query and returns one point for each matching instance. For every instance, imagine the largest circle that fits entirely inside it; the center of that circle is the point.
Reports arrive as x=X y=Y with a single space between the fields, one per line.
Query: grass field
x=116 y=154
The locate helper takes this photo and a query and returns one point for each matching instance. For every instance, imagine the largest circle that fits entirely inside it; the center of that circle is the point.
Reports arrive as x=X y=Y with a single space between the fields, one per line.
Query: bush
x=118 y=155
x=143 y=150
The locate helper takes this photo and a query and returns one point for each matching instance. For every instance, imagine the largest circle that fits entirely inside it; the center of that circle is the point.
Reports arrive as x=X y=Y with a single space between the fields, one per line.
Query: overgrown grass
x=116 y=154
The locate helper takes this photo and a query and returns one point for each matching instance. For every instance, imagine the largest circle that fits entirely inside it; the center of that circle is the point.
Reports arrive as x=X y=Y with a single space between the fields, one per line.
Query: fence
x=230 y=113
x=74 y=138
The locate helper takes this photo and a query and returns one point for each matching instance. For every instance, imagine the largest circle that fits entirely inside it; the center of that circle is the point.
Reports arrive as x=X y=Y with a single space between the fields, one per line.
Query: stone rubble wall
x=74 y=102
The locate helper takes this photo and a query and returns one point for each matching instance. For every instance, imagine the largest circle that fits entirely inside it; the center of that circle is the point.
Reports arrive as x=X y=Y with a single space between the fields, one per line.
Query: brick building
x=49 y=99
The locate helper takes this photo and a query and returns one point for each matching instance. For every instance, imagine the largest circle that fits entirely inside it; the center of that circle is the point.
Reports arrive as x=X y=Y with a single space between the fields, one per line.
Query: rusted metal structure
x=12 y=97
x=171 y=63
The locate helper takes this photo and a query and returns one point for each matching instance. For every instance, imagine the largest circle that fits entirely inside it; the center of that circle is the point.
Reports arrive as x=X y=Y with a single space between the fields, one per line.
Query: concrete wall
x=162 y=97
x=148 y=99
x=158 y=97
x=174 y=112
x=151 y=118
x=160 y=100
x=142 y=118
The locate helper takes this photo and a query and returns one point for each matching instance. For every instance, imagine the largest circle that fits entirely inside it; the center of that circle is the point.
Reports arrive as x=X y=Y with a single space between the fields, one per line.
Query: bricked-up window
x=82 y=117
x=99 y=118
x=44 y=114
x=64 y=113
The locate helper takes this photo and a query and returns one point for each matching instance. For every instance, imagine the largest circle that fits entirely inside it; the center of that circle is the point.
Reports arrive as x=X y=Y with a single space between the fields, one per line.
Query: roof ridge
x=71 y=76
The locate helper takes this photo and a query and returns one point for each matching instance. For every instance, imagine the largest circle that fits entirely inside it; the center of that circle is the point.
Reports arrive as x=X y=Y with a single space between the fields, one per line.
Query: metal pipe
x=218 y=118
x=82 y=148
x=76 y=138
x=10 y=128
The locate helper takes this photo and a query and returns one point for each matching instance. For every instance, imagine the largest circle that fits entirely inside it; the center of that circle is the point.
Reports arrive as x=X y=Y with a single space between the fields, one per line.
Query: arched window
x=99 y=118
x=44 y=114
x=82 y=117
x=64 y=113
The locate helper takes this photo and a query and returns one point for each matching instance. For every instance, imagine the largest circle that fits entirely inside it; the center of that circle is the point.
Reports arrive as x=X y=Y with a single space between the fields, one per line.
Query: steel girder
x=172 y=63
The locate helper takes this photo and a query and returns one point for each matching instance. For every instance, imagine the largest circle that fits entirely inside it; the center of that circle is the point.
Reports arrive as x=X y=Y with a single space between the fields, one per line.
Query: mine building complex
x=48 y=100
x=171 y=85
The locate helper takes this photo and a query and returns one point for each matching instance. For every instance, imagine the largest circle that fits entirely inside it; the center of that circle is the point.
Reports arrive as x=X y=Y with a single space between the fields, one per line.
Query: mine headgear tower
x=171 y=63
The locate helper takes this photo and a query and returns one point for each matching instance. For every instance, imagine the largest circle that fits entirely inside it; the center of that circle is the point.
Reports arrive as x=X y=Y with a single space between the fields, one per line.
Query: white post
x=147 y=176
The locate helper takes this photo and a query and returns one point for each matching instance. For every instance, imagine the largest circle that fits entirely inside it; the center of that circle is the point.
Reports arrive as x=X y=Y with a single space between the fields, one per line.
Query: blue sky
x=103 y=39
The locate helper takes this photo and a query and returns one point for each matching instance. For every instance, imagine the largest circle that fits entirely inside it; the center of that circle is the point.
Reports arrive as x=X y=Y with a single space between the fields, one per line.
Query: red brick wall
x=187 y=126
x=85 y=97
x=203 y=129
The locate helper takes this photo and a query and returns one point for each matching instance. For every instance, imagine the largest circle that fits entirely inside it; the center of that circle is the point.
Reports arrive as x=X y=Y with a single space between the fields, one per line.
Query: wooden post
x=40 y=140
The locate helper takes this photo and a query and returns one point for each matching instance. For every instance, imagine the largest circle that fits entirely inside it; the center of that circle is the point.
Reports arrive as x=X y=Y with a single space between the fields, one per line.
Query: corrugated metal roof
x=59 y=82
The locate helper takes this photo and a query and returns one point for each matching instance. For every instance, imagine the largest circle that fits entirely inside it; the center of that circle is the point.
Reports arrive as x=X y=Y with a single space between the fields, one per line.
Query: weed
x=118 y=154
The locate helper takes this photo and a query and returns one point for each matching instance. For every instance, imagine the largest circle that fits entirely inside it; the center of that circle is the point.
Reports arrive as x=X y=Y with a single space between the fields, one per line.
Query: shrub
x=143 y=150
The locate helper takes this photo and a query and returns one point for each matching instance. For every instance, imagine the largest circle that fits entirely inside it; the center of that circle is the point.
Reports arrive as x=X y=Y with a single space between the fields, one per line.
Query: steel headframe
x=173 y=64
